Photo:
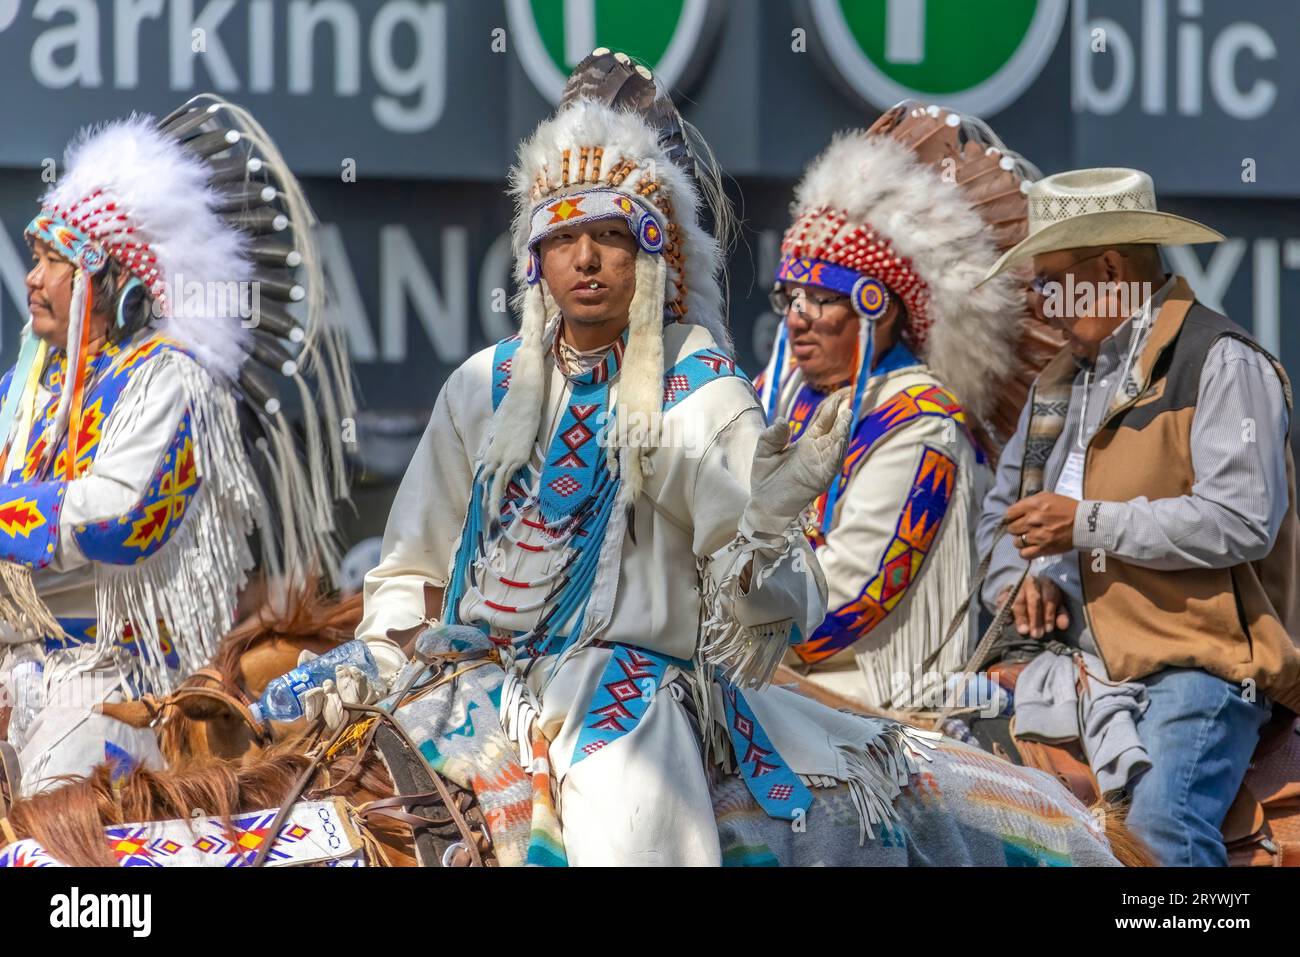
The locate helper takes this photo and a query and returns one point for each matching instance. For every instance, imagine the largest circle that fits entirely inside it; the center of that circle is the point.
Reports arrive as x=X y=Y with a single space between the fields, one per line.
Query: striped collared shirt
x=1237 y=502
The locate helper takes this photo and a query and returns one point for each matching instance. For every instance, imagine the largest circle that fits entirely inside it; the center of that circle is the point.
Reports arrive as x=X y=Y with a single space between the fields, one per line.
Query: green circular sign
x=974 y=57
x=552 y=36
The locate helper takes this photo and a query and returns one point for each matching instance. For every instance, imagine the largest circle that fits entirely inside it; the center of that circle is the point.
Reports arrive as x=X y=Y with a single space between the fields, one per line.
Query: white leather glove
x=351 y=685
x=786 y=478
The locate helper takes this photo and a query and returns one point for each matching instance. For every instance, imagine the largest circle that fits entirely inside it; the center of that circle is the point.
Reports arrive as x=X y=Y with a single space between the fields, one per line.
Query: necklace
x=577 y=361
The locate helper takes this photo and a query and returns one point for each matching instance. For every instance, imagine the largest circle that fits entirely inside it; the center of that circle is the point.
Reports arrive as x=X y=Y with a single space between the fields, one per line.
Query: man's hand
x=351 y=685
x=786 y=477
x=1038 y=608
x=1042 y=524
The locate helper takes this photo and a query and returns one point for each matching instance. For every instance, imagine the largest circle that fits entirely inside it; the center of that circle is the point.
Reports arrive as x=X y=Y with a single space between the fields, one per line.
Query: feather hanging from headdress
x=993 y=179
x=291 y=340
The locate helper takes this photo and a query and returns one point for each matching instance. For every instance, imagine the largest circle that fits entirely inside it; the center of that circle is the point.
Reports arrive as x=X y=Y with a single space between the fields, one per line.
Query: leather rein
x=236 y=700
x=395 y=806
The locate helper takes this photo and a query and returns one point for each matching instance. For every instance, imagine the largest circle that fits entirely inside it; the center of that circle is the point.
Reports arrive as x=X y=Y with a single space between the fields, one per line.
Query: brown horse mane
x=69 y=821
x=310 y=615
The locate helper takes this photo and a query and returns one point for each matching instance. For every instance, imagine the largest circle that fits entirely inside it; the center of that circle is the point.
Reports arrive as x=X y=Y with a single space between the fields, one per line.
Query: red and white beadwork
x=825 y=234
x=100 y=218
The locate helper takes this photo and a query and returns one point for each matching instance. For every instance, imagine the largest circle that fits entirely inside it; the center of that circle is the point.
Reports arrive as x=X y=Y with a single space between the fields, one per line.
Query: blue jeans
x=1200 y=734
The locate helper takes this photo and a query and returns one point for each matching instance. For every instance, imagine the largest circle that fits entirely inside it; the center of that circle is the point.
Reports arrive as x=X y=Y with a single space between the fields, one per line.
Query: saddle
x=1262 y=827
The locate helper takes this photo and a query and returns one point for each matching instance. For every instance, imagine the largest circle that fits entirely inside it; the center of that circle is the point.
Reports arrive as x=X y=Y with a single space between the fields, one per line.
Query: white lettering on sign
x=345 y=29
x=1086 y=95
x=261 y=51
x=1259 y=99
x=349 y=308
x=1189 y=69
x=1223 y=54
x=1210 y=283
x=428 y=22
x=127 y=17
x=494 y=277
x=1153 y=56
x=81 y=35
x=216 y=61
x=1266 y=319
x=404 y=277
x=1291 y=253
x=905 y=31
x=412 y=93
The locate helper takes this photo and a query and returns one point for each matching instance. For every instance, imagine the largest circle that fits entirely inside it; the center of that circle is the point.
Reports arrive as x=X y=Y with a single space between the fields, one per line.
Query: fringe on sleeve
x=182 y=598
x=746 y=655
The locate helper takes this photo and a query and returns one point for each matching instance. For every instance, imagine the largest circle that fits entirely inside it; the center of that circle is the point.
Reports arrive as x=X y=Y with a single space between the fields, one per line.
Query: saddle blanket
x=315 y=832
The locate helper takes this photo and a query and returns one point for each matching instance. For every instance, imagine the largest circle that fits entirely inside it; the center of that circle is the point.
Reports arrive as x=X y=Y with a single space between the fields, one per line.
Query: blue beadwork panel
x=775 y=787
x=156 y=517
x=626 y=687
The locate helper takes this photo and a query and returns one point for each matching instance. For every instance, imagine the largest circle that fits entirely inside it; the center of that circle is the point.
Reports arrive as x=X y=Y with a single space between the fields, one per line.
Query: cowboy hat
x=1110 y=206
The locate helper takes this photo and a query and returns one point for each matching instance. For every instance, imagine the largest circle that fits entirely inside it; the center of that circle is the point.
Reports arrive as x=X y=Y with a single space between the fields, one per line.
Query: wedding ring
x=1023 y=542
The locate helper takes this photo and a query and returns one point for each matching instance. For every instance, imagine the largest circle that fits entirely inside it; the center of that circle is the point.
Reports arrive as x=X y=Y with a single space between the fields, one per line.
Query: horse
x=68 y=823
x=463 y=818
x=208 y=716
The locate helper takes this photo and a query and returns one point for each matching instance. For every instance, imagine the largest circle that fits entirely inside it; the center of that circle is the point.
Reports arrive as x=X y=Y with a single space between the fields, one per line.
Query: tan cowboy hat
x=1110 y=206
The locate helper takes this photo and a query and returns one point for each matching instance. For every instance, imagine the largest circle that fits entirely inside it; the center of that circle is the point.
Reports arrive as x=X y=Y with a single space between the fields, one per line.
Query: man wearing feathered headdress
x=893 y=229
x=599 y=495
x=140 y=446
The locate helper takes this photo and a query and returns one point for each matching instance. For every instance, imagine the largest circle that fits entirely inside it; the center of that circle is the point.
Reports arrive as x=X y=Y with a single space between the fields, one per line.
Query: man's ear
x=892 y=321
x=1112 y=264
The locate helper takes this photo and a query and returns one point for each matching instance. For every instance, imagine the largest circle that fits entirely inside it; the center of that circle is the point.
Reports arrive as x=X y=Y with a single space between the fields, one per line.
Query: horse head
x=407 y=811
x=208 y=715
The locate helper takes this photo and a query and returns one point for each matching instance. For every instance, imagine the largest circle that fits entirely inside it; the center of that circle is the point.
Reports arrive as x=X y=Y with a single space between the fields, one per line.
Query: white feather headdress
x=146 y=200
x=606 y=143
x=911 y=203
x=202 y=212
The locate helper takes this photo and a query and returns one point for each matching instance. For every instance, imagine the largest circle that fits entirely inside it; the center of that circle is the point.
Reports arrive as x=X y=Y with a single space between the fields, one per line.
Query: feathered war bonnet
x=206 y=220
x=615 y=148
x=918 y=207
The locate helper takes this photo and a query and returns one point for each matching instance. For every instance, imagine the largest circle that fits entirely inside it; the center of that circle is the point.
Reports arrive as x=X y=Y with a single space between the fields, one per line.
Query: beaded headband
x=87 y=234
x=73 y=244
x=868 y=295
x=824 y=236
x=589 y=206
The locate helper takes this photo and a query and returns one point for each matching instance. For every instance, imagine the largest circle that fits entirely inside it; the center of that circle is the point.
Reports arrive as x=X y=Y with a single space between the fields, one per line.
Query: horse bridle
x=237 y=701
x=395 y=807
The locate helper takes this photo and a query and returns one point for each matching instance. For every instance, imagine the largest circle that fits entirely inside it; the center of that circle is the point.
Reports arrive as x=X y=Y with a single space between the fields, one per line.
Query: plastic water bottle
x=282 y=699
